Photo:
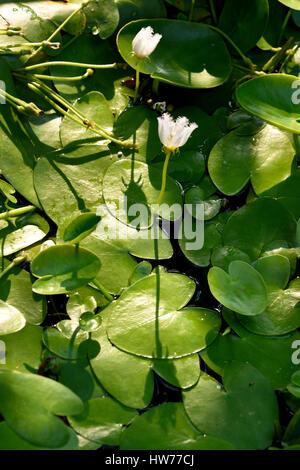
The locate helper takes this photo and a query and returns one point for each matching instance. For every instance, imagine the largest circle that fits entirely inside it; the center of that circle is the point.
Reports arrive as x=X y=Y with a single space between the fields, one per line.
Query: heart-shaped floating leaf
x=222 y=256
x=29 y=403
x=244 y=22
x=273 y=98
x=127 y=378
x=16 y=290
x=11 y=319
x=260 y=226
x=23 y=349
x=206 y=65
x=195 y=196
x=147 y=322
x=282 y=314
x=78 y=227
x=182 y=373
x=94 y=106
x=101 y=420
x=134 y=9
x=265 y=158
x=57 y=14
x=79 y=377
x=131 y=190
x=271 y=356
x=22 y=232
x=242 y=289
x=294 y=4
x=247 y=395
x=212 y=238
x=63 y=268
x=139 y=125
x=166 y=427
x=78 y=179
x=9 y=440
x=102 y=17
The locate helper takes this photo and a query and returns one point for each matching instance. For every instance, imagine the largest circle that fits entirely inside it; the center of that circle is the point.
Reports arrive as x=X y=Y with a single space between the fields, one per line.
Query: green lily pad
x=79 y=378
x=265 y=158
x=11 y=319
x=16 y=290
x=9 y=440
x=242 y=289
x=21 y=232
x=281 y=315
x=244 y=22
x=166 y=427
x=67 y=341
x=222 y=256
x=101 y=420
x=156 y=325
x=23 y=349
x=102 y=17
x=211 y=205
x=79 y=182
x=270 y=355
x=260 y=226
x=128 y=185
x=127 y=378
x=95 y=107
x=134 y=9
x=182 y=373
x=246 y=394
x=29 y=404
x=207 y=64
x=294 y=4
x=63 y=268
x=139 y=125
x=273 y=98
x=78 y=227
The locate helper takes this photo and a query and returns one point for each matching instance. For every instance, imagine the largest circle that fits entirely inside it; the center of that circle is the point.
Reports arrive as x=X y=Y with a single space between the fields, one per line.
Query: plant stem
x=155 y=86
x=246 y=59
x=137 y=82
x=54 y=45
x=18 y=260
x=164 y=176
x=60 y=27
x=213 y=11
x=284 y=25
x=20 y=105
x=103 y=291
x=247 y=70
x=16 y=212
x=69 y=64
x=276 y=58
x=53 y=78
x=191 y=10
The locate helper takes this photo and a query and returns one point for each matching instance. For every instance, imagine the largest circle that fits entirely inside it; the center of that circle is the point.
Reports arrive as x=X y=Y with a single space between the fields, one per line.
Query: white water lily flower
x=145 y=42
x=174 y=134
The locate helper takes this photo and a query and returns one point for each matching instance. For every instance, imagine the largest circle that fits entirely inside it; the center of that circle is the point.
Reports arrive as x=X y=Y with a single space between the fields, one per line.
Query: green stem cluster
x=164 y=176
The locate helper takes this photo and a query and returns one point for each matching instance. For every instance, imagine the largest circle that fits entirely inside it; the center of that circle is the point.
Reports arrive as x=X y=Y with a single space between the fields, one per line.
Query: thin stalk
x=86 y=123
x=69 y=64
x=246 y=59
x=103 y=291
x=54 y=78
x=213 y=11
x=12 y=265
x=289 y=55
x=20 y=105
x=278 y=57
x=54 y=45
x=191 y=10
x=16 y=212
x=247 y=70
x=164 y=176
x=284 y=25
x=60 y=27
x=137 y=82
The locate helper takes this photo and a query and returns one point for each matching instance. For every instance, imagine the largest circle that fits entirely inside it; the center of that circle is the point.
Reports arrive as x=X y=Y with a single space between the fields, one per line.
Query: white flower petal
x=174 y=134
x=145 y=42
